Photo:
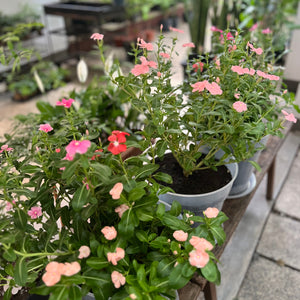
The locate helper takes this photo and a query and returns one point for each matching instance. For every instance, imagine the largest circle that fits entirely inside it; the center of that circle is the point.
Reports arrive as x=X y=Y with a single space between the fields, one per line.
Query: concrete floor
x=261 y=261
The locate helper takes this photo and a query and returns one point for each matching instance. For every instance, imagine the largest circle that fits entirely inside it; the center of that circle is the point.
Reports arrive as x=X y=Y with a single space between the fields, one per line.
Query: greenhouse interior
x=149 y=149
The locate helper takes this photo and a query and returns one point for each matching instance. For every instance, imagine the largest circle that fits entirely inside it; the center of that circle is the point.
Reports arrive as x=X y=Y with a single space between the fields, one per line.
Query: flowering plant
x=226 y=104
x=78 y=218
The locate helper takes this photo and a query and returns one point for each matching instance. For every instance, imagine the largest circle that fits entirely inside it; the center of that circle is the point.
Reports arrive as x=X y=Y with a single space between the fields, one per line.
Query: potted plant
x=78 y=218
x=227 y=108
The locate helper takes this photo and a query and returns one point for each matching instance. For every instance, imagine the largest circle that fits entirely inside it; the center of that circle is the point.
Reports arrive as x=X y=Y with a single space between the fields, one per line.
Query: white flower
x=82 y=71
x=39 y=82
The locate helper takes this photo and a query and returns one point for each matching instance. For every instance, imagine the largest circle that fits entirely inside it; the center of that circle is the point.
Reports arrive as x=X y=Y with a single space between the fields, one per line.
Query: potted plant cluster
x=224 y=109
x=77 y=218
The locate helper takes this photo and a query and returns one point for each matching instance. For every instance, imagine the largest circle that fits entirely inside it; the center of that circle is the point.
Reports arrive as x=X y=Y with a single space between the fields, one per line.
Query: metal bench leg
x=270 y=181
x=210 y=292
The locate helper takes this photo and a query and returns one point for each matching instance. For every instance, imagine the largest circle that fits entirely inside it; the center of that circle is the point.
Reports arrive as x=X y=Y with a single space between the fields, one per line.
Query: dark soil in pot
x=200 y=182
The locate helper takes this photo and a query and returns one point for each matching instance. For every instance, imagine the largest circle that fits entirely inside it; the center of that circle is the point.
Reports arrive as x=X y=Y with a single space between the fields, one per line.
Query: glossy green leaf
x=97 y=263
x=20 y=272
x=80 y=198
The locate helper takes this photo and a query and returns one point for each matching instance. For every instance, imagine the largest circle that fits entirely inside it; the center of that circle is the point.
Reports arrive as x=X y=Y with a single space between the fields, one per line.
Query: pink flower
x=158 y=74
x=267 y=76
x=164 y=55
x=237 y=69
x=80 y=147
x=215 y=29
x=65 y=103
x=109 y=232
x=118 y=279
x=57 y=150
x=258 y=51
x=143 y=68
x=239 y=106
x=35 y=212
x=266 y=31
x=121 y=209
x=97 y=36
x=117 y=140
x=290 y=117
x=176 y=30
x=190 y=45
x=199 y=86
x=5 y=148
x=142 y=44
x=254 y=27
x=51 y=278
x=200 y=244
x=68 y=157
x=198 y=66
x=237 y=95
x=8 y=206
x=214 y=88
x=180 y=235
x=116 y=191
x=198 y=258
x=211 y=212
x=54 y=267
x=84 y=251
x=114 y=257
x=45 y=127
x=132 y=296
x=71 y=268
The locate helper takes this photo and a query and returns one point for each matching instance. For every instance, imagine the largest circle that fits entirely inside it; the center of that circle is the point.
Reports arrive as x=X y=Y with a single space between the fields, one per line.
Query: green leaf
x=80 y=198
x=174 y=223
x=20 y=272
x=102 y=171
x=30 y=169
x=97 y=263
x=9 y=255
x=60 y=293
x=176 y=280
x=218 y=233
x=136 y=194
x=8 y=294
x=163 y=177
x=20 y=219
x=142 y=236
x=175 y=208
x=75 y=293
x=45 y=108
x=146 y=170
x=165 y=267
x=211 y=272
x=255 y=165
x=70 y=169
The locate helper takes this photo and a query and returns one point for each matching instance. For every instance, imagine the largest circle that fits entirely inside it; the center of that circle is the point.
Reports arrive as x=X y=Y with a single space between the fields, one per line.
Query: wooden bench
x=235 y=209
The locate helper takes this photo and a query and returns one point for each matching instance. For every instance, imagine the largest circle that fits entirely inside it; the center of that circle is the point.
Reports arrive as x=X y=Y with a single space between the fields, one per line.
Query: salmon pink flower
x=237 y=95
x=84 y=252
x=201 y=244
x=109 y=232
x=6 y=148
x=118 y=279
x=35 y=212
x=199 y=86
x=164 y=55
x=239 y=106
x=158 y=74
x=198 y=259
x=211 y=212
x=189 y=45
x=176 y=29
x=65 y=103
x=237 y=69
x=290 y=117
x=71 y=268
x=45 y=127
x=51 y=278
x=180 y=235
x=116 y=191
x=214 y=88
x=80 y=147
x=143 y=68
x=142 y=44
x=57 y=150
x=198 y=66
x=97 y=36
x=121 y=209
x=114 y=257
x=117 y=140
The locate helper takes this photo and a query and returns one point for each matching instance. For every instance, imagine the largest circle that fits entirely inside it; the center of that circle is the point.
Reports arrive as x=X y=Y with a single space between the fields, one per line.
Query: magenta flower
x=215 y=29
x=80 y=147
x=65 y=103
x=35 y=212
x=176 y=29
x=290 y=117
x=189 y=45
x=68 y=157
x=97 y=36
x=239 y=106
x=266 y=31
x=45 y=127
x=142 y=44
x=6 y=148
x=254 y=27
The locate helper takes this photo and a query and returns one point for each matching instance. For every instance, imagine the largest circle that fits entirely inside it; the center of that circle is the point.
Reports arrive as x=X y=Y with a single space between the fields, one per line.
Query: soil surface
x=200 y=182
